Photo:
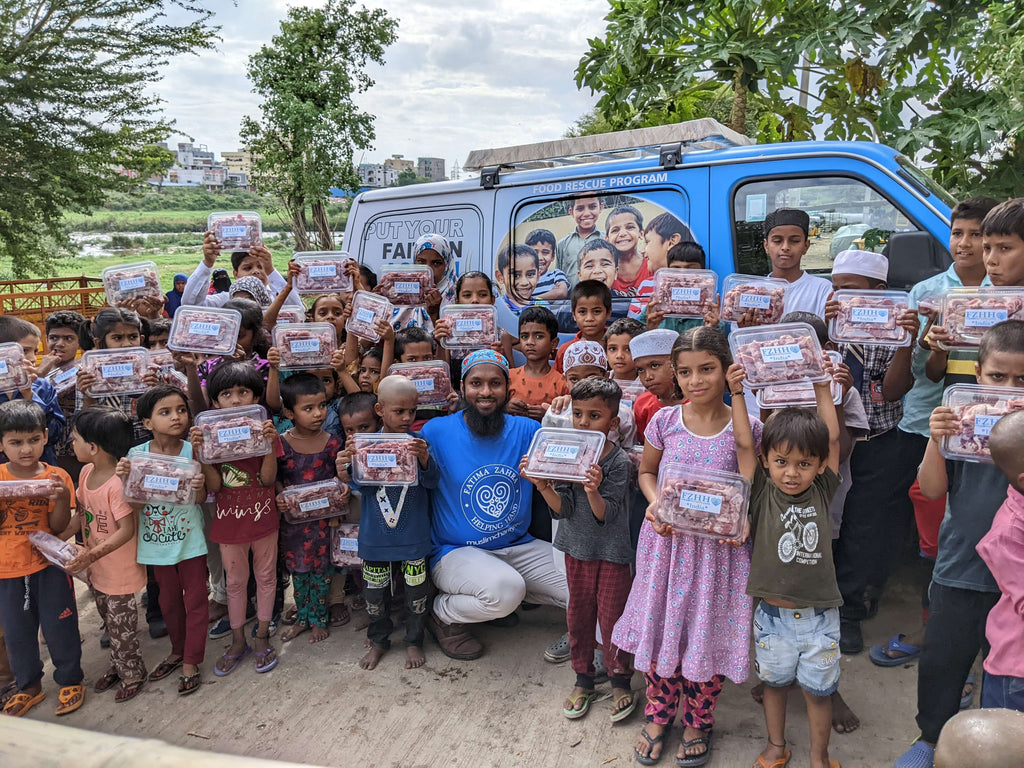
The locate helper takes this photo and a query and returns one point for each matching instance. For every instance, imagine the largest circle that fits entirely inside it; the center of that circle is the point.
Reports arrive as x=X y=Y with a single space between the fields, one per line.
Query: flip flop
x=262 y=665
x=108 y=681
x=23 y=702
x=782 y=762
x=692 y=761
x=164 y=669
x=584 y=699
x=234 y=659
x=620 y=714
x=651 y=742
x=67 y=696
x=7 y=691
x=128 y=691
x=879 y=654
x=188 y=684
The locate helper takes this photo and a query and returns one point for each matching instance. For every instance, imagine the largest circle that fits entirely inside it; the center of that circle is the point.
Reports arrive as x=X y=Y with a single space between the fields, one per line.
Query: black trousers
x=953 y=636
x=876 y=516
x=377 y=593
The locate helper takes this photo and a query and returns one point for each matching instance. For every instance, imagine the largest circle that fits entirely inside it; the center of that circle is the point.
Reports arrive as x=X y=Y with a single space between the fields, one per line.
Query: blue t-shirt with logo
x=481 y=500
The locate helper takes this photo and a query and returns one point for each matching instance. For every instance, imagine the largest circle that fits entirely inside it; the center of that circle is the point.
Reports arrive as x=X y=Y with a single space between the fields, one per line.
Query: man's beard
x=484 y=425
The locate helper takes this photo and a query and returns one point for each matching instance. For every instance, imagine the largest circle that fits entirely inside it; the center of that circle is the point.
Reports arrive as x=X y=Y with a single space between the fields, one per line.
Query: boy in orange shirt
x=533 y=386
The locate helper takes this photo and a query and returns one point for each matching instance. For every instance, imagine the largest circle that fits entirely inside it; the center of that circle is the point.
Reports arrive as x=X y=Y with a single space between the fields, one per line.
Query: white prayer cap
x=656 y=342
x=584 y=352
x=863 y=263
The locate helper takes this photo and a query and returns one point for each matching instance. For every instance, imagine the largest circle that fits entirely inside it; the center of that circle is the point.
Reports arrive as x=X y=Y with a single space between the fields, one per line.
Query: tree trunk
x=297 y=210
x=323 y=227
x=738 y=118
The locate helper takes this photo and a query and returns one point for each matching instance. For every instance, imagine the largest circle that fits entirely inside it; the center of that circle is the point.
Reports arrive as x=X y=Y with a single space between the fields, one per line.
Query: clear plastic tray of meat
x=685 y=292
x=432 y=379
x=25 y=489
x=117 y=371
x=799 y=395
x=314 y=501
x=763 y=297
x=631 y=389
x=368 y=309
x=305 y=346
x=384 y=459
x=236 y=230
x=966 y=315
x=13 y=374
x=474 y=326
x=702 y=502
x=205 y=330
x=131 y=281
x=64 y=377
x=322 y=272
x=978 y=408
x=158 y=479
x=779 y=354
x=406 y=286
x=563 y=454
x=56 y=550
x=345 y=545
x=291 y=315
x=870 y=317
x=232 y=434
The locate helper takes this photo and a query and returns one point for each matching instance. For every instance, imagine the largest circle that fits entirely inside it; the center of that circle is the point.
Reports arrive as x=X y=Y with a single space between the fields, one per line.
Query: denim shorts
x=1001 y=692
x=797 y=644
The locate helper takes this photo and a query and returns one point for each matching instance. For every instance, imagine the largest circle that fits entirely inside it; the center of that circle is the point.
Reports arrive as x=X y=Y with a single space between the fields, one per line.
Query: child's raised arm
x=271 y=312
x=931 y=475
x=743 y=435
x=387 y=337
x=274 y=379
x=268 y=469
x=827 y=410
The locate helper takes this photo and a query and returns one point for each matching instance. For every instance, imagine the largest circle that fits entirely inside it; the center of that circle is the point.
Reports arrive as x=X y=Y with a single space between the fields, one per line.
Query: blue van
x=698 y=178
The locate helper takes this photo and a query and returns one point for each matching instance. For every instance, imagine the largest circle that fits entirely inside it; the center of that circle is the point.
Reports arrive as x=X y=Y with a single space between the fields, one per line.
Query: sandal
x=881 y=655
x=340 y=615
x=71 y=697
x=189 y=683
x=620 y=712
x=580 y=705
x=233 y=660
x=108 y=681
x=692 y=761
x=652 y=741
x=22 y=702
x=262 y=665
x=164 y=668
x=7 y=692
x=128 y=690
x=782 y=762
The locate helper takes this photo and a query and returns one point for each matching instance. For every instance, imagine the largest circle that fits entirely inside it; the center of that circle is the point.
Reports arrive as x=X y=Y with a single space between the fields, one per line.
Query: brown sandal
x=189 y=683
x=108 y=681
x=22 y=702
x=165 y=668
x=71 y=698
x=340 y=615
x=128 y=690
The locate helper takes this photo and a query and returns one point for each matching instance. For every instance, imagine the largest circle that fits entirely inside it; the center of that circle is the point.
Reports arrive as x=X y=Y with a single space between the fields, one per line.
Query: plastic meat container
x=406 y=286
x=236 y=230
x=158 y=479
x=322 y=272
x=345 y=545
x=305 y=346
x=563 y=454
x=779 y=354
x=117 y=371
x=702 y=502
x=978 y=408
x=431 y=377
x=685 y=292
x=799 y=395
x=631 y=390
x=25 y=489
x=966 y=315
x=368 y=309
x=64 y=377
x=291 y=315
x=314 y=501
x=56 y=550
x=870 y=317
x=232 y=434
x=206 y=330
x=384 y=459
x=13 y=375
x=765 y=296
x=474 y=326
x=131 y=281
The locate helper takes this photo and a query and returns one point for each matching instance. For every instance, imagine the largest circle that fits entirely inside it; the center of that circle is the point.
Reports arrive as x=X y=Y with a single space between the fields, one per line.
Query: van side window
x=845 y=213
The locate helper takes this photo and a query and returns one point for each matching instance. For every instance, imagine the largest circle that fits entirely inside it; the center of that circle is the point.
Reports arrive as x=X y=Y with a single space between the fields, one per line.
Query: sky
x=463 y=75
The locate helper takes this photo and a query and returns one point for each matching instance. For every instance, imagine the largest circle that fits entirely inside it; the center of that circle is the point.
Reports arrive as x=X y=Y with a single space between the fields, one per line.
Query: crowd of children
x=848 y=474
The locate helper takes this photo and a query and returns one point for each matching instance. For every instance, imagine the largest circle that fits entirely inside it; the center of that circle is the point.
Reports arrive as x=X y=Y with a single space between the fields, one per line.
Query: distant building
x=399 y=163
x=377 y=175
x=430 y=168
x=195 y=166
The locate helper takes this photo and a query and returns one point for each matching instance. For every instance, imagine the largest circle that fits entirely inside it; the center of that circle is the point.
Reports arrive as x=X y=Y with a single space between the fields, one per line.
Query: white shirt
x=197 y=288
x=806 y=294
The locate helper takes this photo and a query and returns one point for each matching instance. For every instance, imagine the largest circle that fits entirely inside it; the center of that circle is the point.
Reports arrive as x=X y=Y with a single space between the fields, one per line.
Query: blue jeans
x=800 y=644
x=1001 y=692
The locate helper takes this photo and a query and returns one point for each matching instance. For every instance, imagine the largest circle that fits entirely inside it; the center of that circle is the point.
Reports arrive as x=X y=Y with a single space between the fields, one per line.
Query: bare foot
x=648 y=743
x=318 y=633
x=843 y=718
x=414 y=658
x=694 y=750
x=340 y=615
x=294 y=631
x=757 y=693
x=372 y=657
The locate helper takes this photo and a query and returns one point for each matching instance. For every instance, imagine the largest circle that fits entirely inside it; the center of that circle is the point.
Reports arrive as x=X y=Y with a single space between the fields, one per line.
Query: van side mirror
x=913 y=257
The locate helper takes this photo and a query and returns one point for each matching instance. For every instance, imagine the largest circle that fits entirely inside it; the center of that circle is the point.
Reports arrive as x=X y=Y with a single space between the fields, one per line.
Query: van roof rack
x=691 y=136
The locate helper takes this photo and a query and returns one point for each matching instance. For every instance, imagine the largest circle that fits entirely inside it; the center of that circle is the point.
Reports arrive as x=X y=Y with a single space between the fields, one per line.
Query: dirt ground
x=503 y=710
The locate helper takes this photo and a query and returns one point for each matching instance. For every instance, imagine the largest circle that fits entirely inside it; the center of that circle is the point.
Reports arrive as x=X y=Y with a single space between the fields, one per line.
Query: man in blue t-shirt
x=484 y=563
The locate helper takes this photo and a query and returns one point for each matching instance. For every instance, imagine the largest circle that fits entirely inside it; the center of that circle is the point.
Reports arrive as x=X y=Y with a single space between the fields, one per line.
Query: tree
x=310 y=125
x=408 y=176
x=75 y=108
x=155 y=161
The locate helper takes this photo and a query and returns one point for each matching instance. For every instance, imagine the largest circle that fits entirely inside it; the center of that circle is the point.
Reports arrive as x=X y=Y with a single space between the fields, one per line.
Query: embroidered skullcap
x=252 y=286
x=432 y=242
x=863 y=263
x=482 y=356
x=584 y=352
x=656 y=342
x=787 y=217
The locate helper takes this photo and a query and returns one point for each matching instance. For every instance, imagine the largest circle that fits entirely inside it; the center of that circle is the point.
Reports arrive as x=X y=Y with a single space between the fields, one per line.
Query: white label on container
x=701 y=502
x=117 y=370
x=424 y=385
x=309 y=506
x=237 y=230
x=3 y=367
x=755 y=301
x=233 y=434
x=204 y=329
x=468 y=324
x=404 y=287
x=323 y=270
x=160 y=483
x=685 y=294
x=561 y=451
x=782 y=353
x=984 y=318
x=364 y=315
x=346 y=544
x=304 y=346
x=130 y=283
x=983 y=424
x=381 y=460
x=869 y=315
x=62 y=376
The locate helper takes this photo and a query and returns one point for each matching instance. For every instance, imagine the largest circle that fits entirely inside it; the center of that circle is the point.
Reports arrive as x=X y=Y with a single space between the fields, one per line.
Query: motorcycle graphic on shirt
x=800 y=541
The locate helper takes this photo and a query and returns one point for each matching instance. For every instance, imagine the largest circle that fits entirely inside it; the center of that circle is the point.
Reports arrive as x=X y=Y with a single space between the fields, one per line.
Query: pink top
x=117 y=573
x=1002 y=549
